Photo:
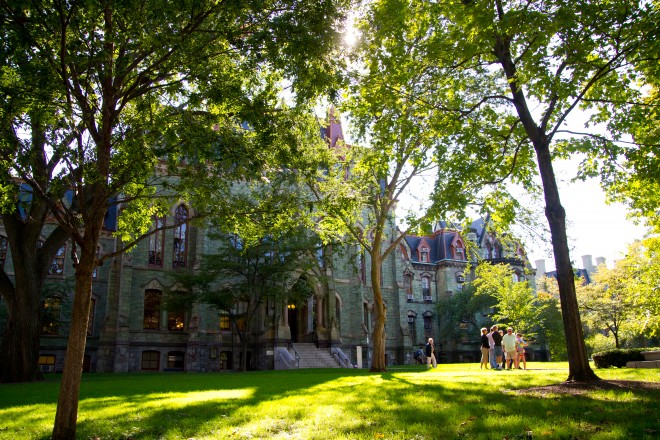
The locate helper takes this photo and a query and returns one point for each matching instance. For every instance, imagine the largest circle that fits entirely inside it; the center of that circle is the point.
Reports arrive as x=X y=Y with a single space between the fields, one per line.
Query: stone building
x=132 y=329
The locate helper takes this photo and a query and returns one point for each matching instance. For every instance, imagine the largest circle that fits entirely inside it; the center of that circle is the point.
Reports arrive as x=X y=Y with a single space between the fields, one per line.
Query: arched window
x=152 y=304
x=407 y=285
x=412 y=328
x=180 y=237
x=426 y=288
x=57 y=264
x=428 y=325
x=362 y=268
x=156 y=243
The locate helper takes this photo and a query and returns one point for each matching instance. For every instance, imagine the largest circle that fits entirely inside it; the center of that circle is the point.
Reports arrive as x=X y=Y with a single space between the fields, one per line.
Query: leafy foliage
x=465 y=306
x=624 y=300
x=515 y=303
x=550 y=328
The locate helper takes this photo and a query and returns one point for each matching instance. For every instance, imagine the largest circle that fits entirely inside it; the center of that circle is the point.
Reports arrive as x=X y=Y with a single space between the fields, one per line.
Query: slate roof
x=439 y=244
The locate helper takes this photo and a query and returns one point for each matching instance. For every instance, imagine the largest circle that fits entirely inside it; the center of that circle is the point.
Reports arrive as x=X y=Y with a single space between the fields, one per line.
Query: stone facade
x=131 y=328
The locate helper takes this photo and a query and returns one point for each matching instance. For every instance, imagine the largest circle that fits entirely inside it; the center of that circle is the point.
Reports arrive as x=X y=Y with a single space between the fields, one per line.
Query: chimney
x=540 y=268
x=600 y=260
x=588 y=264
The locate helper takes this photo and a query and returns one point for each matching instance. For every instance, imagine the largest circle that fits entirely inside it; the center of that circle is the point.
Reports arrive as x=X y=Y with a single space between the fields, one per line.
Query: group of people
x=498 y=349
x=502 y=350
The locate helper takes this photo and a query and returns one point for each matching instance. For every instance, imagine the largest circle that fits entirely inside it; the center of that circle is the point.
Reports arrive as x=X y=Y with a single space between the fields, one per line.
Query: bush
x=598 y=343
x=619 y=357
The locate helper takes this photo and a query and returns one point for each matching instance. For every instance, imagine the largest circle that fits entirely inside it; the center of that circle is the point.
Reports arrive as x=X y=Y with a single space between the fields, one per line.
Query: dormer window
x=424 y=254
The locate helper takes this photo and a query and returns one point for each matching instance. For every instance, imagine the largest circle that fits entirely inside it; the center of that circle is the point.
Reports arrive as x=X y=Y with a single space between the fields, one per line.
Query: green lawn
x=453 y=401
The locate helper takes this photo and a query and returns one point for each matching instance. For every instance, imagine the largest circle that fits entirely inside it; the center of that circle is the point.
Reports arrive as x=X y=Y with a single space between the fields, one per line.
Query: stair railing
x=297 y=356
x=341 y=358
x=285 y=357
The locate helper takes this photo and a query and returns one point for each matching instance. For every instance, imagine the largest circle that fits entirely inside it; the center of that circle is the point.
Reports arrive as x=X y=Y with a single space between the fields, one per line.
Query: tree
x=550 y=328
x=358 y=187
x=624 y=300
x=512 y=73
x=260 y=261
x=244 y=276
x=31 y=242
x=463 y=307
x=515 y=303
x=138 y=81
x=603 y=303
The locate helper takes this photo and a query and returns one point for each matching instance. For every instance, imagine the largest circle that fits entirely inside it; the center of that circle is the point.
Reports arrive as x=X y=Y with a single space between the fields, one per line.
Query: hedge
x=618 y=357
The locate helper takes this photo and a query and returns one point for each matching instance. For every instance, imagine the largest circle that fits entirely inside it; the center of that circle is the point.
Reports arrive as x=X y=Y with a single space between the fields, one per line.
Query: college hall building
x=131 y=329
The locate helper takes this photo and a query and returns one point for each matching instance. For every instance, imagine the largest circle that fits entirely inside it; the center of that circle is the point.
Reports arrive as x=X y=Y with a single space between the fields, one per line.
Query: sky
x=594 y=228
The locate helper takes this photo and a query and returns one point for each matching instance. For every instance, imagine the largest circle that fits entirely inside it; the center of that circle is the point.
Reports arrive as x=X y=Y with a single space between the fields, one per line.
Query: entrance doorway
x=293 y=323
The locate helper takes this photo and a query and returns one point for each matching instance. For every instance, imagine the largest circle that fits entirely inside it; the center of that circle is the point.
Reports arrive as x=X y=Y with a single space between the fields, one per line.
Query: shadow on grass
x=309 y=404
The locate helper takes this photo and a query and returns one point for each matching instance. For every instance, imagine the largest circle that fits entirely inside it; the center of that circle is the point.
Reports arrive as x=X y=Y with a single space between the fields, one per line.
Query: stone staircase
x=312 y=357
x=651 y=360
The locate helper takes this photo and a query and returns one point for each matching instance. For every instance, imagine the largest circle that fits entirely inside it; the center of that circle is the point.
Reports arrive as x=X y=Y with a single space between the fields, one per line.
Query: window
x=225 y=324
x=50 y=316
x=175 y=360
x=156 y=243
x=407 y=285
x=175 y=320
x=151 y=360
x=3 y=250
x=152 y=303
x=460 y=253
x=180 y=237
x=47 y=363
x=362 y=268
x=92 y=311
x=95 y=272
x=426 y=288
x=424 y=254
x=412 y=328
x=57 y=265
x=225 y=360
x=428 y=327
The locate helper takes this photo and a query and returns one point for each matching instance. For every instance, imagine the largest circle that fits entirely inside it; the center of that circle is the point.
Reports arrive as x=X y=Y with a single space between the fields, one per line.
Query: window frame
x=180 y=239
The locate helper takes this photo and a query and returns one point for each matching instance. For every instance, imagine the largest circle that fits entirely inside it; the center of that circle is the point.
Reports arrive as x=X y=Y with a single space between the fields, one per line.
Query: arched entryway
x=301 y=312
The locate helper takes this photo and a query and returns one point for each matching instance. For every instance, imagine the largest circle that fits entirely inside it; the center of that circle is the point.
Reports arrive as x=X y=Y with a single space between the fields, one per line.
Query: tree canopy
x=511 y=73
x=135 y=82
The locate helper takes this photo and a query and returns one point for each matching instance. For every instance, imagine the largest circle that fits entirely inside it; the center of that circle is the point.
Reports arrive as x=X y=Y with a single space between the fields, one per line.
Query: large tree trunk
x=579 y=369
x=19 y=351
x=378 y=333
x=67 y=404
x=578 y=363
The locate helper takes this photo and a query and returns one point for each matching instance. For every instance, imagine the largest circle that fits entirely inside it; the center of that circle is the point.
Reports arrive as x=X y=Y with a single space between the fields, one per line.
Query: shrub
x=619 y=357
x=598 y=343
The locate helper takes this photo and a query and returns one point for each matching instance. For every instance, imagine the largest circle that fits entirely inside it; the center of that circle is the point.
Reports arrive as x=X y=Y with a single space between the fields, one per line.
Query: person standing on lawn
x=509 y=344
x=430 y=354
x=485 y=348
x=520 y=348
x=497 y=347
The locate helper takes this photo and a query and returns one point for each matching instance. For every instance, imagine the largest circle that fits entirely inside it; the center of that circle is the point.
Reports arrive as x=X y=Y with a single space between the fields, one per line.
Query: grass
x=456 y=401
